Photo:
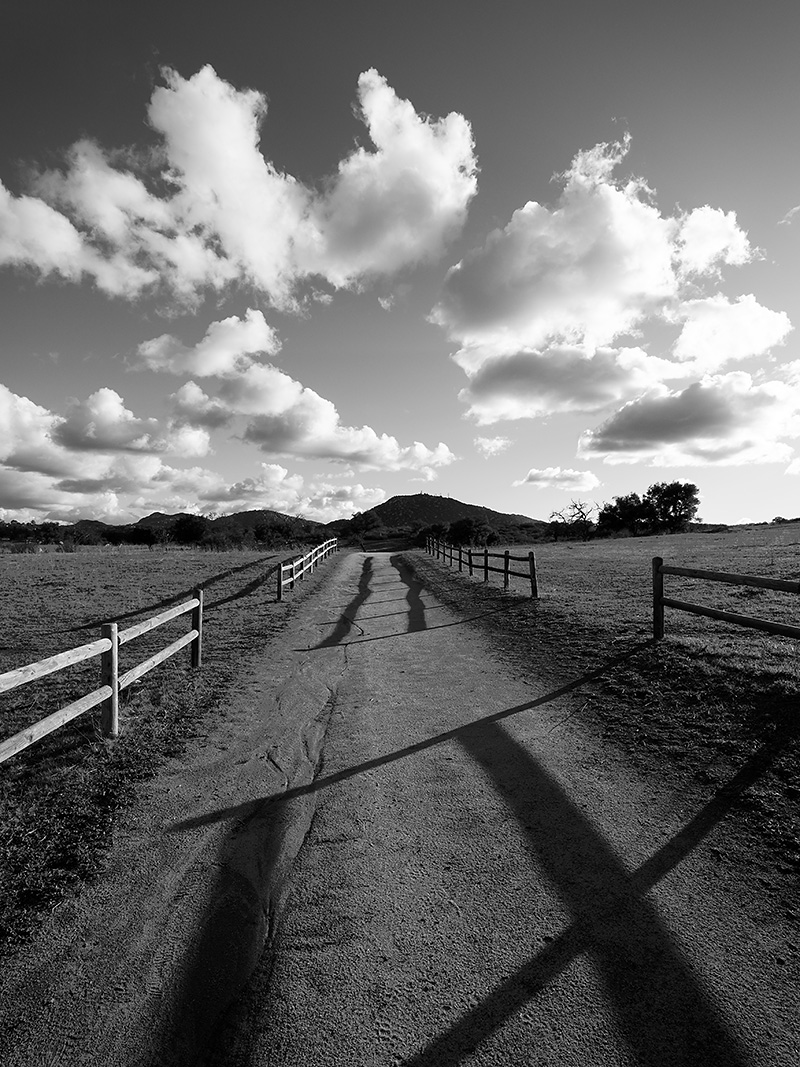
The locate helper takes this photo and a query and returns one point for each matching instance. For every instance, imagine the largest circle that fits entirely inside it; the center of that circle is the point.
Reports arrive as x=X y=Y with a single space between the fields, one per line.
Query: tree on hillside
x=674 y=504
x=471 y=531
x=362 y=522
x=189 y=529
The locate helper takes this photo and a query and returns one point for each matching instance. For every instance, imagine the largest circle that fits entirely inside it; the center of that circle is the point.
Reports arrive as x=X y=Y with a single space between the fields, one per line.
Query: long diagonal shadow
x=247 y=809
x=404 y=633
x=662 y=1011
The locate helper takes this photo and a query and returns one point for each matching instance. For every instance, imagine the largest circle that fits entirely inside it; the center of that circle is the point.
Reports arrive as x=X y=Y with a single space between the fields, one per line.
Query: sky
x=308 y=256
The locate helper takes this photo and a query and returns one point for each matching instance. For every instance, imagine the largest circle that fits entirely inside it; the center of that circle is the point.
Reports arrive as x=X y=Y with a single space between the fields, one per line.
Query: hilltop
x=423 y=509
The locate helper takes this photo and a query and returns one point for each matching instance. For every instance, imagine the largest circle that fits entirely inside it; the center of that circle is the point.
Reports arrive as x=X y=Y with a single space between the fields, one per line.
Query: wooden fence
x=478 y=559
x=291 y=569
x=660 y=601
x=112 y=682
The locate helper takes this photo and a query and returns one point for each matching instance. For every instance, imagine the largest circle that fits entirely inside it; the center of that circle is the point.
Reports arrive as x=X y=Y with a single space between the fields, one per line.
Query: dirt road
x=449 y=867
x=482 y=885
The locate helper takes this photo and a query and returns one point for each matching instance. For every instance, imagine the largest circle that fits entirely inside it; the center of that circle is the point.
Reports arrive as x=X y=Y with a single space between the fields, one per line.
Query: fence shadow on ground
x=660 y=1006
x=176 y=598
x=415 y=612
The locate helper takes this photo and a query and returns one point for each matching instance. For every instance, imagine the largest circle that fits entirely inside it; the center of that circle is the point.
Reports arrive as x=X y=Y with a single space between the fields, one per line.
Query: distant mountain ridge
x=410 y=512
x=247 y=520
x=424 y=509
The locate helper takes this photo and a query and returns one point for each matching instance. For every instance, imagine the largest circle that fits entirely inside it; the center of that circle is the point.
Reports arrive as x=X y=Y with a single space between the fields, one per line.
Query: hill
x=249 y=520
x=159 y=520
x=423 y=509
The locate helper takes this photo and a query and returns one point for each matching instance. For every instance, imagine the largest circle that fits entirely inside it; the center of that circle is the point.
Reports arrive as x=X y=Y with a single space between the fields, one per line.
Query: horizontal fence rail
x=478 y=559
x=293 y=569
x=112 y=682
x=660 y=601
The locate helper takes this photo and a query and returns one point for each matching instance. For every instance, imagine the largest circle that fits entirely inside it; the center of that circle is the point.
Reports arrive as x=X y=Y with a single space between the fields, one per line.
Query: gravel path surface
x=446 y=866
x=483 y=884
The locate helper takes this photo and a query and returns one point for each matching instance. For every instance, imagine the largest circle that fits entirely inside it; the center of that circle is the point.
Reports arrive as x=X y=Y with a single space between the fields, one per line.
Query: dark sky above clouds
x=306 y=256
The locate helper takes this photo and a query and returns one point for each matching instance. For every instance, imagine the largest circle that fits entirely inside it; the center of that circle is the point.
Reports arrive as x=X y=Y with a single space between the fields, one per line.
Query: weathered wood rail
x=660 y=601
x=478 y=559
x=293 y=569
x=112 y=682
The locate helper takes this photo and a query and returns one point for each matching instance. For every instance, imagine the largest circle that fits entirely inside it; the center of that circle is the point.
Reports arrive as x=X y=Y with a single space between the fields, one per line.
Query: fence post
x=280 y=581
x=460 y=558
x=109 y=675
x=469 y=561
x=658 y=599
x=197 y=624
x=534 y=580
x=486 y=564
x=505 y=570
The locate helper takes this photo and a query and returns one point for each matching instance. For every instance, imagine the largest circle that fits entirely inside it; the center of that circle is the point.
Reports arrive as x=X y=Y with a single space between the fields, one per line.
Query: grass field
x=710 y=705
x=59 y=798
x=697 y=707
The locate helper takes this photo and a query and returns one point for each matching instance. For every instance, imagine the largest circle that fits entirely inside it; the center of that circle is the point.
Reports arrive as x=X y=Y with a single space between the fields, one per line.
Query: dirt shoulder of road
x=725 y=740
x=143 y=956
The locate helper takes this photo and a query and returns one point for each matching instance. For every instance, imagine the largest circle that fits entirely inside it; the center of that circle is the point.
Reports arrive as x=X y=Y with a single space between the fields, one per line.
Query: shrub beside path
x=447 y=865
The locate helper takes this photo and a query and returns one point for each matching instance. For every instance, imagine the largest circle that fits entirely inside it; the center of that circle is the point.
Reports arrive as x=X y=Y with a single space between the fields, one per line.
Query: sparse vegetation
x=693 y=710
x=59 y=799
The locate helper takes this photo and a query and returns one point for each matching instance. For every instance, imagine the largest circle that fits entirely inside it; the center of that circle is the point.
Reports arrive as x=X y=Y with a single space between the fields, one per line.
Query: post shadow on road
x=347 y=618
x=324 y=782
x=366 y=586
x=416 y=607
x=662 y=1011
x=415 y=612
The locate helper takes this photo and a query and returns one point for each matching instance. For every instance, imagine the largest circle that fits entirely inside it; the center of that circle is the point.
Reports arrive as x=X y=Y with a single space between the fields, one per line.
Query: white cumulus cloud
x=717 y=331
x=558 y=478
x=285 y=418
x=207 y=207
x=102 y=423
x=492 y=446
x=228 y=345
x=542 y=312
x=728 y=419
x=584 y=272
x=386 y=209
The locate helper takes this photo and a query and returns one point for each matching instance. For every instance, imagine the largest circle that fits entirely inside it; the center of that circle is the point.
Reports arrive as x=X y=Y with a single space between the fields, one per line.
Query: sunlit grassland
x=59 y=798
x=607 y=585
x=695 y=708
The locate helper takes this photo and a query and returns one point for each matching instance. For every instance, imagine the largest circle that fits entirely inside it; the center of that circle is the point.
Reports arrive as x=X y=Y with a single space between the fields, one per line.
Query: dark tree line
x=666 y=507
x=184 y=530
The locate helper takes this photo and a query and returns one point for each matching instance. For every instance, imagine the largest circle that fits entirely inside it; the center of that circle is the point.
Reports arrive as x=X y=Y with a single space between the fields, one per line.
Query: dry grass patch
x=60 y=798
x=694 y=709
